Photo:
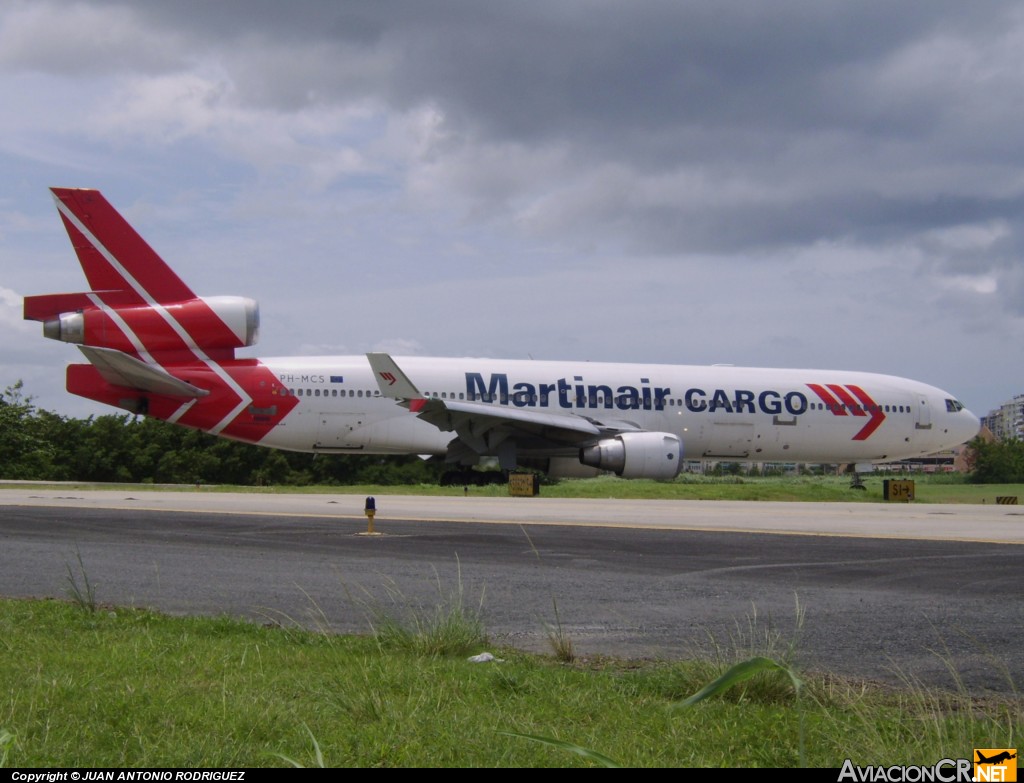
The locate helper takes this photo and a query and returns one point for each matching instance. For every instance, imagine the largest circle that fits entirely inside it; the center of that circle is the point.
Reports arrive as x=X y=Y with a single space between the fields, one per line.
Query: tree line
x=997 y=461
x=41 y=445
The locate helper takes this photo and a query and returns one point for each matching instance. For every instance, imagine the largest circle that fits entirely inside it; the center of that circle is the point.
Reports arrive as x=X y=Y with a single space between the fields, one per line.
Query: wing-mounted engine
x=214 y=323
x=652 y=455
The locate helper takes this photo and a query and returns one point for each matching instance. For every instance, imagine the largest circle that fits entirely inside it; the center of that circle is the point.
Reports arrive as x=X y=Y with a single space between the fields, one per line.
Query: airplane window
x=953 y=406
x=317 y=393
x=461 y=395
x=300 y=392
x=359 y=393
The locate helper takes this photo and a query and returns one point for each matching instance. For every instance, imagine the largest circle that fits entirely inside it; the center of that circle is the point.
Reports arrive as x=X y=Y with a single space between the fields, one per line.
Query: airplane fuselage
x=718 y=412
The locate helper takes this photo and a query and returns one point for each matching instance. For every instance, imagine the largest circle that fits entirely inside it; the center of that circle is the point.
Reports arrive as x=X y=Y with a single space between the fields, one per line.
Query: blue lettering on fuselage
x=576 y=394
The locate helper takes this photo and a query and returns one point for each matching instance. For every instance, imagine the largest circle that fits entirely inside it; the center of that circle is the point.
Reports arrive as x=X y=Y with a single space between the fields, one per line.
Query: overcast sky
x=798 y=183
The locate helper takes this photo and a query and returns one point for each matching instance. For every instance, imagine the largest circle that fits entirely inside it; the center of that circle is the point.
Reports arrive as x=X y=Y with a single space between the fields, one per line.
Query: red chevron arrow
x=845 y=405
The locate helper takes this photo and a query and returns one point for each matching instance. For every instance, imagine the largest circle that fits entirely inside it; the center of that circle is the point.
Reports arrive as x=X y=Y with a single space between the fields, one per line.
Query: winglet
x=392 y=381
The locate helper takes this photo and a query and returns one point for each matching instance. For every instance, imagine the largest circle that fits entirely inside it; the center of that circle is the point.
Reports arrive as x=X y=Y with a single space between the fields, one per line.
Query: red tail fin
x=137 y=304
x=155 y=347
x=113 y=256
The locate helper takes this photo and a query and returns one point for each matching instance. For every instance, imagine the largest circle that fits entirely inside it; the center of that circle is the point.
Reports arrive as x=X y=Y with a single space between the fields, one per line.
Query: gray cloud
x=790 y=141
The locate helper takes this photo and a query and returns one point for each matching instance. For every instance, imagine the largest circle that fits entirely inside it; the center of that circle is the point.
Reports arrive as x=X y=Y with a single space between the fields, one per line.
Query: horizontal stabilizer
x=120 y=369
x=47 y=306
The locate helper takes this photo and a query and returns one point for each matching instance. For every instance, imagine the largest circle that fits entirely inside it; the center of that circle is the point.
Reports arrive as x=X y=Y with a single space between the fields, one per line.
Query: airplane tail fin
x=154 y=347
x=112 y=254
x=137 y=304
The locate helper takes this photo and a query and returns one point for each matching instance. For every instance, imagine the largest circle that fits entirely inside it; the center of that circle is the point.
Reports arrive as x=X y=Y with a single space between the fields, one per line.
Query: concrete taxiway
x=959 y=522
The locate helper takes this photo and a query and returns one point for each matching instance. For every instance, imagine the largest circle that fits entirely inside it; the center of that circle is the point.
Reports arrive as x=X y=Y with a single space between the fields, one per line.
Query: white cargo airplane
x=156 y=348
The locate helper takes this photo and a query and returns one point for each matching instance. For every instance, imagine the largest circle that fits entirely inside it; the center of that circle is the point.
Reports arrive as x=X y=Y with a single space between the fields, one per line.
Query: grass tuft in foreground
x=80 y=589
x=448 y=627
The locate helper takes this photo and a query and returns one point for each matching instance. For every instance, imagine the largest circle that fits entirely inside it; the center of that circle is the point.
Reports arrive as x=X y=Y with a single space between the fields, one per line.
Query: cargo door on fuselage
x=340 y=431
x=732 y=439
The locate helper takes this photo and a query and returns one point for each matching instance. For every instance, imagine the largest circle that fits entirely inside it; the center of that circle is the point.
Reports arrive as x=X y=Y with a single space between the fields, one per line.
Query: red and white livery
x=156 y=348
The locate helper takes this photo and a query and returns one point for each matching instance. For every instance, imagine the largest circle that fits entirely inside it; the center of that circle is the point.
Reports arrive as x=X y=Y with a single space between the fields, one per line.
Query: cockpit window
x=953 y=406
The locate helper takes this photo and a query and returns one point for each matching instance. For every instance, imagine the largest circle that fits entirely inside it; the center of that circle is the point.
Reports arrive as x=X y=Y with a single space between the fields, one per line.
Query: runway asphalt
x=888 y=591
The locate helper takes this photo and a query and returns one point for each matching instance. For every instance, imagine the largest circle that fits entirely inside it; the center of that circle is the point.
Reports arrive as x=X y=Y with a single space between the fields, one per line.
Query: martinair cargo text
x=156 y=348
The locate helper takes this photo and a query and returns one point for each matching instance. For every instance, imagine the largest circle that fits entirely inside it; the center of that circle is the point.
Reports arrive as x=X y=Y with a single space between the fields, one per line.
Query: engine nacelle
x=653 y=455
x=207 y=322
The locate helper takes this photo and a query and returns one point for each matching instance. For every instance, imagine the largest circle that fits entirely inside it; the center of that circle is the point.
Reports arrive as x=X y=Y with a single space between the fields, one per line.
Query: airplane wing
x=120 y=369
x=481 y=427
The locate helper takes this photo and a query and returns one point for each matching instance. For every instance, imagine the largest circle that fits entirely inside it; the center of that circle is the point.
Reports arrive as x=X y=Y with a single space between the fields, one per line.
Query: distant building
x=1007 y=421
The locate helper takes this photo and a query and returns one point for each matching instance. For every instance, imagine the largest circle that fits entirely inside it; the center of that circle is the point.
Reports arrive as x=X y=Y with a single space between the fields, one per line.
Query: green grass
x=929 y=489
x=122 y=687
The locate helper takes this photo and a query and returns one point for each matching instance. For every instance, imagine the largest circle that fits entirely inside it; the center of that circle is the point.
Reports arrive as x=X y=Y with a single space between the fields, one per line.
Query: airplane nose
x=969 y=427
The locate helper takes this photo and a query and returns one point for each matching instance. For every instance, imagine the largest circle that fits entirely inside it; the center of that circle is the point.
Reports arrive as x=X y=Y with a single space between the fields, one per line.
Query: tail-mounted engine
x=210 y=323
x=653 y=455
